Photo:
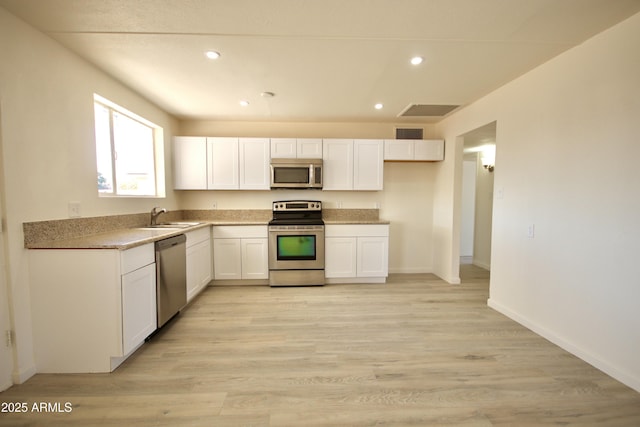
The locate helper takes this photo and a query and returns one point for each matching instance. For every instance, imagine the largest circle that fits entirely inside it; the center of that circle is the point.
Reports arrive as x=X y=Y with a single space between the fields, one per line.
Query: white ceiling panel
x=325 y=60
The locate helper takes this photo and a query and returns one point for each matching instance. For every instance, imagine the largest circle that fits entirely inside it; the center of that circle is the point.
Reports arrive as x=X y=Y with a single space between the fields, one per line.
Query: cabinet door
x=254 y=163
x=309 y=148
x=340 y=257
x=399 y=149
x=255 y=258
x=190 y=163
x=138 y=306
x=283 y=148
x=368 y=162
x=227 y=259
x=222 y=164
x=337 y=155
x=429 y=149
x=373 y=256
x=198 y=267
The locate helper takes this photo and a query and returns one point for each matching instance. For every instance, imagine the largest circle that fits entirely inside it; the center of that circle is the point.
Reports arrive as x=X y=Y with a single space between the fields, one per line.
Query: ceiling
x=328 y=60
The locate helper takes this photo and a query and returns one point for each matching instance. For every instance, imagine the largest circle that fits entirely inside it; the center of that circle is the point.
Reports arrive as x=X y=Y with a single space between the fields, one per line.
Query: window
x=129 y=152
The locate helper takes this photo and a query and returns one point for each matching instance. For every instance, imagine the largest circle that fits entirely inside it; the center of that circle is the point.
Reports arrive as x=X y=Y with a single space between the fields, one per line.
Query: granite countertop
x=356 y=221
x=125 y=231
x=127 y=238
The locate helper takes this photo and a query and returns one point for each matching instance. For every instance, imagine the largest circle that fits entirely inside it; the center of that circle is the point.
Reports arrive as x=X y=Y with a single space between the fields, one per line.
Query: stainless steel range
x=296 y=244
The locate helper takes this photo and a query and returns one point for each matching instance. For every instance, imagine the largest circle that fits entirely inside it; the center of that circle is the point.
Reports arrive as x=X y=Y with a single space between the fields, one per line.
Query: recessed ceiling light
x=417 y=60
x=212 y=54
x=378 y=106
x=244 y=103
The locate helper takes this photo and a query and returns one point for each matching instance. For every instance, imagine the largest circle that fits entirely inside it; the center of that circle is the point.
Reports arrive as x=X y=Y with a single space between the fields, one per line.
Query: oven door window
x=296 y=247
x=291 y=175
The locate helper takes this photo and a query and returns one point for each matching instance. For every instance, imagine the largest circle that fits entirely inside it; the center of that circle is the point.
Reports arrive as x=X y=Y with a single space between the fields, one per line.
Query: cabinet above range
x=232 y=163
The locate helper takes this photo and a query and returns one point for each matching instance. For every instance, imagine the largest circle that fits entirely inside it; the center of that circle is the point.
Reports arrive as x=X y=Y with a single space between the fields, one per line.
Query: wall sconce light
x=487 y=165
x=488 y=158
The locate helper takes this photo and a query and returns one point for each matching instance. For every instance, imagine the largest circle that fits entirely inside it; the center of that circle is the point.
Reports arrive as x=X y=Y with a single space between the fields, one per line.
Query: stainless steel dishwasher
x=171 y=277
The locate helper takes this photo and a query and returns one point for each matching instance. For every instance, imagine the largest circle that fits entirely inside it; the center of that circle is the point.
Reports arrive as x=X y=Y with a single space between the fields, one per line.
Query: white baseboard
x=337 y=280
x=23 y=375
x=412 y=270
x=481 y=264
x=5 y=385
x=604 y=366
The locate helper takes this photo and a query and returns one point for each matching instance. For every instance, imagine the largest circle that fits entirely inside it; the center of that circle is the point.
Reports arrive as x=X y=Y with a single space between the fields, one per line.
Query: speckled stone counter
x=126 y=231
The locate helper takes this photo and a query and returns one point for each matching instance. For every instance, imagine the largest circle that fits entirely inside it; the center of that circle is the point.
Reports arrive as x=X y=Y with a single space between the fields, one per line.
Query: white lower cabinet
x=340 y=256
x=356 y=253
x=240 y=252
x=373 y=256
x=255 y=258
x=227 y=259
x=199 y=261
x=91 y=308
x=139 y=318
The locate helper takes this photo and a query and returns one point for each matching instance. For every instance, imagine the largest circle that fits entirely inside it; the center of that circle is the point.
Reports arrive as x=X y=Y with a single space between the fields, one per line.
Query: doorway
x=477 y=196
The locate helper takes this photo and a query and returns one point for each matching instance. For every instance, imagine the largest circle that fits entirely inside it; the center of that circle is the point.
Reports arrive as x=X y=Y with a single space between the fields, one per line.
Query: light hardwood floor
x=414 y=351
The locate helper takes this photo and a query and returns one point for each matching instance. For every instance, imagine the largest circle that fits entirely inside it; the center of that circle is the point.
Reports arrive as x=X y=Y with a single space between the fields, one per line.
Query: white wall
x=46 y=97
x=406 y=201
x=483 y=216
x=468 y=207
x=567 y=161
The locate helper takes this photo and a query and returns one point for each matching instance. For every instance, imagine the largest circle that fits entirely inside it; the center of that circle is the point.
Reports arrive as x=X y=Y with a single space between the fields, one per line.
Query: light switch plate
x=531 y=231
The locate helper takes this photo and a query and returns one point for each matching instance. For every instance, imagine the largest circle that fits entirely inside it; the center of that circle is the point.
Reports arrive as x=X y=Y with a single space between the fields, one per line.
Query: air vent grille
x=424 y=110
x=407 y=133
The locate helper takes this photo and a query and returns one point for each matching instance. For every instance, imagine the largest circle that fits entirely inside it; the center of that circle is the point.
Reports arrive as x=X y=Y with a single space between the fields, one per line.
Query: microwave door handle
x=312 y=178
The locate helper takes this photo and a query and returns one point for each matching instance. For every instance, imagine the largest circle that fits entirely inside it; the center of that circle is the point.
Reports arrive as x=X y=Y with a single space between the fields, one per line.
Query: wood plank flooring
x=413 y=352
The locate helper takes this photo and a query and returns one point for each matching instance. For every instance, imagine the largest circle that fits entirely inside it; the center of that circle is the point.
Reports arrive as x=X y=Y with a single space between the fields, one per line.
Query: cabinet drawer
x=135 y=258
x=240 y=231
x=197 y=236
x=356 y=230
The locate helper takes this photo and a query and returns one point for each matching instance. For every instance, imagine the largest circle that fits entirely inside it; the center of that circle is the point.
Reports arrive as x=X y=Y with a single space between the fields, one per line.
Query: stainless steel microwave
x=296 y=173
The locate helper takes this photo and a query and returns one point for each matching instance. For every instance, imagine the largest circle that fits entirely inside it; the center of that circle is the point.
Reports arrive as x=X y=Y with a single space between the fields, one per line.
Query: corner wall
x=567 y=162
x=46 y=97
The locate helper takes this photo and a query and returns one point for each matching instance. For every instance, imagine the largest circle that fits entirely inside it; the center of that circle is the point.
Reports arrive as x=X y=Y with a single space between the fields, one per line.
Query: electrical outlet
x=74 y=209
x=214 y=205
x=339 y=205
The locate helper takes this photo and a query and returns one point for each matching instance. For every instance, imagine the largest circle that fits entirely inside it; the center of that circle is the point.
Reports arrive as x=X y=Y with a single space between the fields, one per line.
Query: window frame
x=157 y=147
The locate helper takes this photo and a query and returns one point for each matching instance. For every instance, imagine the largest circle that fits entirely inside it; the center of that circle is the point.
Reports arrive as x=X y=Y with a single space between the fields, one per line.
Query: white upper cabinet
x=291 y=148
x=353 y=164
x=368 y=166
x=399 y=149
x=190 y=163
x=254 y=163
x=222 y=164
x=219 y=163
x=309 y=148
x=283 y=148
x=429 y=150
x=337 y=164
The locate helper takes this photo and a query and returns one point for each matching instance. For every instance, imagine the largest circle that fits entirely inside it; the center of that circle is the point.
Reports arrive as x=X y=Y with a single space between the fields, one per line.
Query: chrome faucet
x=155 y=213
